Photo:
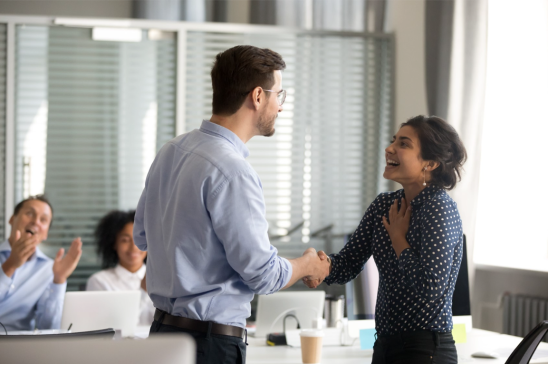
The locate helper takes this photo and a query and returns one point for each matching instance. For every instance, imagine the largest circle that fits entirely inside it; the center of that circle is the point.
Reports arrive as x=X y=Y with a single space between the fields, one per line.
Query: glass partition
x=90 y=117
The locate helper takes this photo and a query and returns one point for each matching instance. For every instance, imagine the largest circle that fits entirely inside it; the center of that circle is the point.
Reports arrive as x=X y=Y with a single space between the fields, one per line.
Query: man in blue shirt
x=201 y=216
x=32 y=286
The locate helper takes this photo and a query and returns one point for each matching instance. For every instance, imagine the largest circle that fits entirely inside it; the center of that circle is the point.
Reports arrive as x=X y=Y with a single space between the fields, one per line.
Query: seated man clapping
x=32 y=286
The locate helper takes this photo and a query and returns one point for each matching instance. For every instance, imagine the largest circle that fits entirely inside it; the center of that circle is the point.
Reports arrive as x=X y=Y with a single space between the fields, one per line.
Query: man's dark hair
x=239 y=70
x=40 y=197
x=440 y=143
x=105 y=235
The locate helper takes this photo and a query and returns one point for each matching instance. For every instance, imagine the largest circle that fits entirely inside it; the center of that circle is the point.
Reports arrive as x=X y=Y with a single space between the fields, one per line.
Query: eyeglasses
x=280 y=95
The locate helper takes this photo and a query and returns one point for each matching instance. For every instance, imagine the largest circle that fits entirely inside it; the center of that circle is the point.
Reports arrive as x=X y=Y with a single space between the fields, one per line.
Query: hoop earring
x=424 y=177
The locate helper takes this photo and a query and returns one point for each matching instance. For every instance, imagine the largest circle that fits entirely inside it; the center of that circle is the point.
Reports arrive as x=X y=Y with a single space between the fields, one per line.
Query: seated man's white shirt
x=119 y=278
x=30 y=299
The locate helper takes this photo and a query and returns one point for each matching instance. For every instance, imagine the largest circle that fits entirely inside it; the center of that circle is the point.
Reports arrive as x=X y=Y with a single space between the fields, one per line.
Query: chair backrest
x=161 y=349
x=526 y=348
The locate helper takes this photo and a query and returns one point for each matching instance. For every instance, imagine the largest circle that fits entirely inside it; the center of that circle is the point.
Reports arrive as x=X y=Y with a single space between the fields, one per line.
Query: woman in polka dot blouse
x=415 y=237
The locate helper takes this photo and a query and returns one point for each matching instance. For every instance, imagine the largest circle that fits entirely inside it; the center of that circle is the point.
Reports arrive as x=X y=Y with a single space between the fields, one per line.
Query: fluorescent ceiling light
x=117 y=34
x=81 y=22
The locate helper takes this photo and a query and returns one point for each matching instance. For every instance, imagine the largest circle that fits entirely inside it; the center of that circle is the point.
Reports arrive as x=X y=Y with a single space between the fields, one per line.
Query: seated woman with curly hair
x=122 y=261
x=415 y=236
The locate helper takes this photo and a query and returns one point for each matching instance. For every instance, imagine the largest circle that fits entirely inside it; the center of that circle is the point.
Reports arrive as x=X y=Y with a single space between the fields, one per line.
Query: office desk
x=477 y=340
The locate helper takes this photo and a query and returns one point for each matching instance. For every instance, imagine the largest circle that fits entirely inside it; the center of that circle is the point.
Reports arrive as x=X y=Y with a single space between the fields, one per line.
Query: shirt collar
x=6 y=247
x=123 y=273
x=425 y=194
x=217 y=130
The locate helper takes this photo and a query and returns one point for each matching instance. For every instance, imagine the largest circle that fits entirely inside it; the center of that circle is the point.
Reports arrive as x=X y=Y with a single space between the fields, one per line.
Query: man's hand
x=64 y=266
x=309 y=264
x=313 y=282
x=398 y=226
x=319 y=265
x=23 y=248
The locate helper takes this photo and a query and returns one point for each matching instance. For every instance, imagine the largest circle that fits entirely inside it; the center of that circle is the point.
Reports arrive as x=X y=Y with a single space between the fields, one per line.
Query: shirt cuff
x=407 y=256
x=330 y=279
x=289 y=271
x=57 y=290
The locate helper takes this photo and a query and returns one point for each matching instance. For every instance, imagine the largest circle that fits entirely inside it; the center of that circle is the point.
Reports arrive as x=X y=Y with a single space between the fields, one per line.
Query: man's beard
x=265 y=124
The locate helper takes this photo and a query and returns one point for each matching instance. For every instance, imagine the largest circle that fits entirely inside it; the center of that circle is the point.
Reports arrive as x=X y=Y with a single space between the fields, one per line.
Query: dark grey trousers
x=211 y=349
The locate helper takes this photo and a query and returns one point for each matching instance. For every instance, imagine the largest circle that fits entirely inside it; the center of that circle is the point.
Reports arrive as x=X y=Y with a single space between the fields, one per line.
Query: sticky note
x=459 y=333
x=367 y=338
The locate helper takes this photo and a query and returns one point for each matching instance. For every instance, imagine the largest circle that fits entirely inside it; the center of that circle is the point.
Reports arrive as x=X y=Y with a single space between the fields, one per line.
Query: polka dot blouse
x=416 y=290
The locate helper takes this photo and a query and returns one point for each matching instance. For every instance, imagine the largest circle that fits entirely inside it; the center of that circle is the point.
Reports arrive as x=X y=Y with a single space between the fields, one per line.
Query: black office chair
x=526 y=348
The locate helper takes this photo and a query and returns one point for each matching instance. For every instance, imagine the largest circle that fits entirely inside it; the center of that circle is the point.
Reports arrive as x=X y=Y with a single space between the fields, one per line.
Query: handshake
x=318 y=267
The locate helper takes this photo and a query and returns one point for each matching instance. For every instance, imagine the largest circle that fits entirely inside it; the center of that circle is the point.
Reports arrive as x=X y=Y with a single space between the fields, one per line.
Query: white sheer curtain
x=465 y=107
x=341 y=15
x=456 y=33
x=189 y=10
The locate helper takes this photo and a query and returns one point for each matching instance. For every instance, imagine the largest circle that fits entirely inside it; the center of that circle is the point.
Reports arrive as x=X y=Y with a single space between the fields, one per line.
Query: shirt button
x=12 y=286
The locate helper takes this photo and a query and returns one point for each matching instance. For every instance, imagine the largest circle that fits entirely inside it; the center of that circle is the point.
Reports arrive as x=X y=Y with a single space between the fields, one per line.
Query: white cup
x=311 y=346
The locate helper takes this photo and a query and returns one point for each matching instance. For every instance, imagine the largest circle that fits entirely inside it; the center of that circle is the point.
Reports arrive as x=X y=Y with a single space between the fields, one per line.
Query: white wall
x=405 y=19
x=75 y=8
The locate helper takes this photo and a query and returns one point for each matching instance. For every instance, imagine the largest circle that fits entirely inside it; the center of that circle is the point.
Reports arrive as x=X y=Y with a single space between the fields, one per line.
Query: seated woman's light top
x=114 y=236
x=415 y=236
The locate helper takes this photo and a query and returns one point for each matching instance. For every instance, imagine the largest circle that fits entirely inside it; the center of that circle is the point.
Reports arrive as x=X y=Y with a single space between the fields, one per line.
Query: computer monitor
x=178 y=348
x=93 y=310
x=462 y=313
x=461 y=295
x=306 y=306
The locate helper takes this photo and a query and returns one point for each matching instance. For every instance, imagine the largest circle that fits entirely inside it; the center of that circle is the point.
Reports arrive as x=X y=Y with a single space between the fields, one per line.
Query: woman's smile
x=391 y=164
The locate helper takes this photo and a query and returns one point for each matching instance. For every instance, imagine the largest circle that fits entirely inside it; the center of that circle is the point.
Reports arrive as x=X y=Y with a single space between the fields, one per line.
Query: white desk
x=477 y=340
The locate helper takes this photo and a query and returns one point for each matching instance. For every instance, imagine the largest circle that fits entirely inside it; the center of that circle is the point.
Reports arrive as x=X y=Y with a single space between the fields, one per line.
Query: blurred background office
x=81 y=119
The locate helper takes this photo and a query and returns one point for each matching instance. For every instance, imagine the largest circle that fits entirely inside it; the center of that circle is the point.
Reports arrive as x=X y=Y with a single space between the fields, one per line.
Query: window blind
x=322 y=168
x=3 y=49
x=90 y=118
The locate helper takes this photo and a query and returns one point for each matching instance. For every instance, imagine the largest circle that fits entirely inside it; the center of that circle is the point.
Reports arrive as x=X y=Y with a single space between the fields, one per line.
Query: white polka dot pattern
x=416 y=291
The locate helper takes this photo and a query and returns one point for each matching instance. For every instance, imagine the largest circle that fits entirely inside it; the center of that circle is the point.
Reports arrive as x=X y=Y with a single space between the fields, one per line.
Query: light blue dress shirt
x=201 y=218
x=30 y=299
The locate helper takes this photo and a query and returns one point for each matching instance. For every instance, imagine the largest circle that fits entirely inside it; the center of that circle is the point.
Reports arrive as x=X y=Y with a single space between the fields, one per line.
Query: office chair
x=526 y=348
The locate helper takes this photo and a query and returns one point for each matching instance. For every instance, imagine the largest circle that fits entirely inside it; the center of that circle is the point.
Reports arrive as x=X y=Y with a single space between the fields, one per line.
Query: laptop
x=94 y=310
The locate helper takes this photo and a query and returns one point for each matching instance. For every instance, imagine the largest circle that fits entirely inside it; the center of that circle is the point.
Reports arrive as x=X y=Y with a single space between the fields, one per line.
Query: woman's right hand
x=313 y=283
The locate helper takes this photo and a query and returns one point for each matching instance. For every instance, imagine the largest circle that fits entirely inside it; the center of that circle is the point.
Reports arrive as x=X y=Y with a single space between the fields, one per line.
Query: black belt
x=198 y=326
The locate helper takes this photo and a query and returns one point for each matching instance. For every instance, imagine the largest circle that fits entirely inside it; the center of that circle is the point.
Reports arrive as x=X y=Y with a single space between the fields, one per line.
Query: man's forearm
x=300 y=266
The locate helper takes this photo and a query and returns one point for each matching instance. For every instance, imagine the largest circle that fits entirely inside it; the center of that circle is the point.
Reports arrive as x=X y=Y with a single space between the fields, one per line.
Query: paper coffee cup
x=311 y=346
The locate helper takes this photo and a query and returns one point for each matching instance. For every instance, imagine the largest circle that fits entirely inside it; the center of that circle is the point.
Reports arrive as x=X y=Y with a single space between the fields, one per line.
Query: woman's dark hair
x=440 y=143
x=105 y=235
x=239 y=70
